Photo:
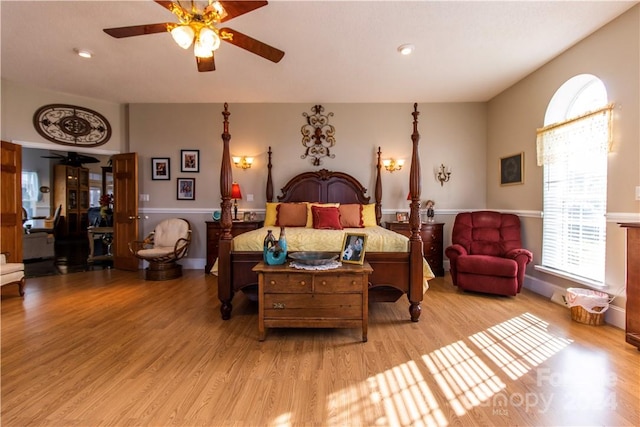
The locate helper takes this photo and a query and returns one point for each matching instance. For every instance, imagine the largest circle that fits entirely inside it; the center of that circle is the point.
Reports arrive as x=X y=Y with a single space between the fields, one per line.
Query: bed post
x=415 y=294
x=225 y=292
x=269 y=179
x=378 y=190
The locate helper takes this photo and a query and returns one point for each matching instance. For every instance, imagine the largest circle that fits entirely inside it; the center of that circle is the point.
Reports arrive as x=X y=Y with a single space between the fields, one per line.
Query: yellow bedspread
x=379 y=239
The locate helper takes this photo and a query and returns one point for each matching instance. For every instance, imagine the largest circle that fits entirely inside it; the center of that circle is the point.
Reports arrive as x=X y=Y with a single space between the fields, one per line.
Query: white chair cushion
x=10 y=272
x=156 y=251
x=5 y=278
x=11 y=267
x=169 y=231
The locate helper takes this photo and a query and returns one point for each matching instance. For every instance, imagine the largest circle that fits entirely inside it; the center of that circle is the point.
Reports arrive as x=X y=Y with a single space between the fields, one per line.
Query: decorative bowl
x=313 y=258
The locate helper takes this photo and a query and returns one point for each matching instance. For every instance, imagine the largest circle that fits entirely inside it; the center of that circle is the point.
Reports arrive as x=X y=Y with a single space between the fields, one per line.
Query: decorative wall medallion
x=317 y=136
x=72 y=125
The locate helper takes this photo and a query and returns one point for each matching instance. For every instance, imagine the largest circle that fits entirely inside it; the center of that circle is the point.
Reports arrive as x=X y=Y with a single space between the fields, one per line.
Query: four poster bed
x=396 y=271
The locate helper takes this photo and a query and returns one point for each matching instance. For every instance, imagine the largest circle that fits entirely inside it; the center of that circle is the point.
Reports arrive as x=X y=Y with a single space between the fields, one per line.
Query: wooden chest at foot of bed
x=293 y=298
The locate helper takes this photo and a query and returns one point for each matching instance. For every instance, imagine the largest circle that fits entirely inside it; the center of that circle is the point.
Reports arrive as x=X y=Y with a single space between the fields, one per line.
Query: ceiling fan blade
x=136 y=30
x=165 y=4
x=206 y=64
x=254 y=46
x=237 y=8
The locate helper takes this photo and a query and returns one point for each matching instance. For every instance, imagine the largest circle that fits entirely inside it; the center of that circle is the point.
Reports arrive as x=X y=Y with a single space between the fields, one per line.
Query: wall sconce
x=393 y=165
x=444 y=174
x=242 y=162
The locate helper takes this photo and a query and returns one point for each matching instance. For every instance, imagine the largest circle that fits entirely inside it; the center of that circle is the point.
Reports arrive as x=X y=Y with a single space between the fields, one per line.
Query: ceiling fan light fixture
x=406 y=49
x=201 y=49
x=209 y=39
x=183 y=35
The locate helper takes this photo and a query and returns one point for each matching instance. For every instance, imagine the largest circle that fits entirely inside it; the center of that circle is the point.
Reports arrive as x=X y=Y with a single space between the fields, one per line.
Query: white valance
x=589 y=132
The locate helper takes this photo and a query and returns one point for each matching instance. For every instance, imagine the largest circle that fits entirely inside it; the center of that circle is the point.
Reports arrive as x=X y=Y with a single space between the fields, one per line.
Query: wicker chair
x=163 y=247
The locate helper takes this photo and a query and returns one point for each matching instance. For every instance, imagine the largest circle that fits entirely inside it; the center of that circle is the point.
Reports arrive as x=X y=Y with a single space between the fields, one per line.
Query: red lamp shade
x=235 y=191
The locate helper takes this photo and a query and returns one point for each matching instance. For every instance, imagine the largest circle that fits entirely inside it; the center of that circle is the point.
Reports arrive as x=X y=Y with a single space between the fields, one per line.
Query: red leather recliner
x=486 y=253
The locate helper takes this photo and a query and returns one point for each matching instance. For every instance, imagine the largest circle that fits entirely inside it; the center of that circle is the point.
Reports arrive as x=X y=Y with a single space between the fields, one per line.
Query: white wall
x=20 y=102
x=453 y=134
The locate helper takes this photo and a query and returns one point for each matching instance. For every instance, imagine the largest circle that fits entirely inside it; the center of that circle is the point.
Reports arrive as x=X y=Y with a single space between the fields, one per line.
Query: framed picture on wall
x=189 y=160
x=186 y=189
x=160 y=168
x=512 y=169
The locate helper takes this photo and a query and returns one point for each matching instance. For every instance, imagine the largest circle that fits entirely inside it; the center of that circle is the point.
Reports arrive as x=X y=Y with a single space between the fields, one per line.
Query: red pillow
x=326 y=218
x=291 y=215
x=351 y=216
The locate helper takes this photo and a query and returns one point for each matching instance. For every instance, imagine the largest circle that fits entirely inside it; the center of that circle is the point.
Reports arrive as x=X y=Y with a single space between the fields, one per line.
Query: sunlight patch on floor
x=519 y=344
x=396 y=397
x=463 y=378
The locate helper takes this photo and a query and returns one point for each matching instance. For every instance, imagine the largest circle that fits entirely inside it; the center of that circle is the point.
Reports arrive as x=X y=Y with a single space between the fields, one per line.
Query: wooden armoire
x=71 y=190
x=632 y=328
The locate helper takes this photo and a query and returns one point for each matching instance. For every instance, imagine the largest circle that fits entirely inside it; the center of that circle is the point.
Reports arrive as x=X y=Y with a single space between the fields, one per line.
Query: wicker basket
x=579 y=314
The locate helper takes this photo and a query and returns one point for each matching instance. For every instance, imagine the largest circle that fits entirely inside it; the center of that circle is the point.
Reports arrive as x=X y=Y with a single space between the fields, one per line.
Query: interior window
x=95 y=189
x=30 y=192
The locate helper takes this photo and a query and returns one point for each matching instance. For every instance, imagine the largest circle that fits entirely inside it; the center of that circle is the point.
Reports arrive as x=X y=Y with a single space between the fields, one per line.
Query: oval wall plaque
x=72 y=125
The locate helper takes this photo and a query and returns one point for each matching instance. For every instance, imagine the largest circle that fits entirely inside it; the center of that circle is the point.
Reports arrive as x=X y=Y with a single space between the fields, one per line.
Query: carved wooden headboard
x=325 y=186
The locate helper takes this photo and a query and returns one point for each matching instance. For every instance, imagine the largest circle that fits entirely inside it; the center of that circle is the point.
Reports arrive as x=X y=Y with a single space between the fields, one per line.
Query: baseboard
x=614 y=316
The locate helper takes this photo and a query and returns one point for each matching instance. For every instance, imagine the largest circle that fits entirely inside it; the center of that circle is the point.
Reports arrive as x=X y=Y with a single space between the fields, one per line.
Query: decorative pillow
x=271 y=214
x=322 y=205
x=369 y=215
x=351 y=216
x=291 y=215
x=326 y=218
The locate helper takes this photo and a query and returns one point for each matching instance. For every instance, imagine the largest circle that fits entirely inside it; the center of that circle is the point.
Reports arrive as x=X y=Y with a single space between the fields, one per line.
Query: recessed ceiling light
x=406 y=49
x=84 y=53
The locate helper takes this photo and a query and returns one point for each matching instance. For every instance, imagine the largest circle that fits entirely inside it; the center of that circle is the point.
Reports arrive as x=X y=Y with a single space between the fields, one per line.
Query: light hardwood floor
x=106 y=348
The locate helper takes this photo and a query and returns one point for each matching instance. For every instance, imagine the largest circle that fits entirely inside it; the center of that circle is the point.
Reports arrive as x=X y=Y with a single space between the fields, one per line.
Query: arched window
x=572 y=148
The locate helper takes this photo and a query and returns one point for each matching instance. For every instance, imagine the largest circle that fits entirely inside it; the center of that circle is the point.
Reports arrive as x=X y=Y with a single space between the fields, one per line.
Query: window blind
x=574 y=157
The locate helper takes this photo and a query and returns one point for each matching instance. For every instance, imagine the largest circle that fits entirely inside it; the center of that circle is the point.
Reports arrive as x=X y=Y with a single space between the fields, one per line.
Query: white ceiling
x=336 y=51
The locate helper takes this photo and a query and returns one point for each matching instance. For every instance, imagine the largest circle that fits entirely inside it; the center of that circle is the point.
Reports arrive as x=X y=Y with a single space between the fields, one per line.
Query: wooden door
x=125 y=209
x=11 y=201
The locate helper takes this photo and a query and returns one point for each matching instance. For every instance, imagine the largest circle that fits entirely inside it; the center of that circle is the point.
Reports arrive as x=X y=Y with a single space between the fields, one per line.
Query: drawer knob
x=273 y=282
x=324 y=283
x=303 y=283
x=278 y=306
x=353 y=282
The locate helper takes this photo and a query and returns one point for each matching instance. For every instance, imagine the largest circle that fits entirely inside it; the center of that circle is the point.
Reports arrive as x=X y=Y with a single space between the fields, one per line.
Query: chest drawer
x=340 y=283
x=431 y=234
x=214 y=232
x=345 y=306
x=287 y=283
x=304 y=283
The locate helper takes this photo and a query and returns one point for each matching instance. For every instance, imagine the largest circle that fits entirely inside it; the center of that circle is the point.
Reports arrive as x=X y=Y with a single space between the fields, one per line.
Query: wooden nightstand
x=431 y=233
x=213 y=236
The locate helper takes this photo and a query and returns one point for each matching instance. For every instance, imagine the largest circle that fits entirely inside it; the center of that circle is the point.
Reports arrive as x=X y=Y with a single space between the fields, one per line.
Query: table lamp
x=235 y=195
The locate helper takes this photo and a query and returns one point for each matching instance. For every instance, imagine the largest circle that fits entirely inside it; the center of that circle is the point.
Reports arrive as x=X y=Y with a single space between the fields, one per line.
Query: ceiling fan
x=72 y=158
x=197 y=25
